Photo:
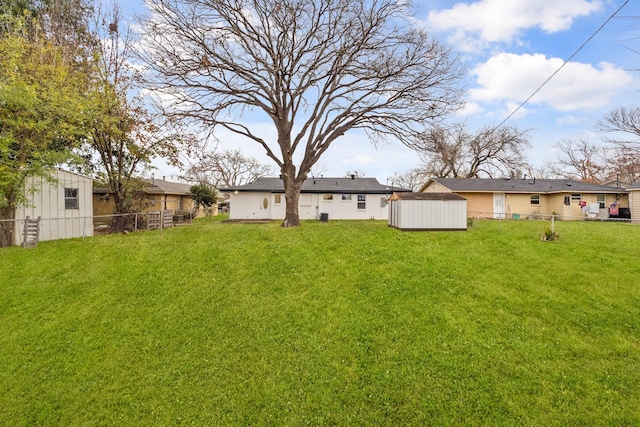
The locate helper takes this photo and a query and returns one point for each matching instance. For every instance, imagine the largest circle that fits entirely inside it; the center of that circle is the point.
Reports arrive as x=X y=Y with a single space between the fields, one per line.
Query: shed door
x=498 y=205
x=265 y=208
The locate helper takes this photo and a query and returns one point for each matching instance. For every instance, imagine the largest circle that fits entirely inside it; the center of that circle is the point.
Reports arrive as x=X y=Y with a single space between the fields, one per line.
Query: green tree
x=203 y=195
x=41 y=111
x=125 y=134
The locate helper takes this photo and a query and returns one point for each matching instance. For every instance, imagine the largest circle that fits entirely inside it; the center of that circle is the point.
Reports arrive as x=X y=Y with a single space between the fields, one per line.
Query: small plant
x=470 y=222
x=549 y=234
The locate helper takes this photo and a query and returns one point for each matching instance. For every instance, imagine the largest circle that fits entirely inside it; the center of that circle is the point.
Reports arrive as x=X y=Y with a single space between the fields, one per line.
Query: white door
x=265 y=208
x=498 y=205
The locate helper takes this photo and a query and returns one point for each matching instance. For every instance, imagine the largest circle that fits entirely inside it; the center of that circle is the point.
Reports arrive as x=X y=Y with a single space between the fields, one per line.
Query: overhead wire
x=565 y=62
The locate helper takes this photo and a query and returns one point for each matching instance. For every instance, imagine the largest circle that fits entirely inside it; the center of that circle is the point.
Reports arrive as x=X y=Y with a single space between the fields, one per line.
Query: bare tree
x=314 y=69
x=412 y=179
x=356 y=173
x=625 y=164
x=454 y=152
x=227 y=169
x=580 y=159
x=624 y=124
x=544 y=172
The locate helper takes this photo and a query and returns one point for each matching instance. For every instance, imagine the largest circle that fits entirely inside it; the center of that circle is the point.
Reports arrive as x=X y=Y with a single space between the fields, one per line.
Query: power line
x=566 y=61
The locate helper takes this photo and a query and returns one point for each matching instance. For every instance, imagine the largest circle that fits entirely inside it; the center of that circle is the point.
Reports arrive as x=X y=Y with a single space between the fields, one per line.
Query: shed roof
x=426 y=196
x=320 y=185
x=532 y=185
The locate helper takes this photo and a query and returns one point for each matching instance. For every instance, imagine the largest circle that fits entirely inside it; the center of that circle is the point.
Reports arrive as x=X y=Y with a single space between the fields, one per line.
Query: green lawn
x=338 y=323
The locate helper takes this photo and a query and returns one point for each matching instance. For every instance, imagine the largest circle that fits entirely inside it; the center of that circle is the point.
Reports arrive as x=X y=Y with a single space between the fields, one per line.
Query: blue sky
x=510 y=47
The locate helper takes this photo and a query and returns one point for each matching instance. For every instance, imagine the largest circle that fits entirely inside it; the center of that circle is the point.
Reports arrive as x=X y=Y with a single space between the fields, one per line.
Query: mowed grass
x=338 y=323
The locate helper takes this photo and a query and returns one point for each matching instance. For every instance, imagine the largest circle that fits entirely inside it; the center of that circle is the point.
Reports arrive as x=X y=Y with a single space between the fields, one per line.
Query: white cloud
x=469 y=109
x=572 y=120
x=490 y=21
x=509 y=77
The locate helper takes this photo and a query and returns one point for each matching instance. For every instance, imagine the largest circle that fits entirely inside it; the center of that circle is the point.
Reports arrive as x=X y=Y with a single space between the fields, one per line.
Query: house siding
x=48 y=202
x=250 y=205
x=634 y=205
x=480 y=203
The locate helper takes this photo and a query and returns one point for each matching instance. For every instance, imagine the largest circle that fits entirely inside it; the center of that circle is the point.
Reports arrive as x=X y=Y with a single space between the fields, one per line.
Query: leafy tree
x=41 y=111
x=315 y=69
x=227 y=169
x=125 y=135
x=203 y=195
x=454 y=152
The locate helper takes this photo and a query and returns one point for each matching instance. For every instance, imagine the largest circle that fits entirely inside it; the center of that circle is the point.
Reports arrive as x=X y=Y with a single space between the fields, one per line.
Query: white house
x=428 y=211
x=320 y=198
x=65 y=207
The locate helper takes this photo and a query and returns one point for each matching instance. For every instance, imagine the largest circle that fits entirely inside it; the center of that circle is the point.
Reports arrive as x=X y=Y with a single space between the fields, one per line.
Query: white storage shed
x=428 y=211
x=65 y=207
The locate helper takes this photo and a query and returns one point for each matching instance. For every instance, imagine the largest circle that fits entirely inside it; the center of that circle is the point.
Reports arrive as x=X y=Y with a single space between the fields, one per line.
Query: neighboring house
x=160 y=195
x=514 y=198
x=634 y=201
x=320 y=198
x=64 y=206
x=428 y=211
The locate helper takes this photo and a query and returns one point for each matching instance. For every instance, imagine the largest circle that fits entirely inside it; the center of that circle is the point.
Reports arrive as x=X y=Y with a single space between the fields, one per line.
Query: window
x=346 y=197
x=327 y=197
x=535 y=199
x=362 y=201
x=576 y=197
x=567 y=200
x=277 y=199
x=602 y=200
x=306 y=200
x=71 y=198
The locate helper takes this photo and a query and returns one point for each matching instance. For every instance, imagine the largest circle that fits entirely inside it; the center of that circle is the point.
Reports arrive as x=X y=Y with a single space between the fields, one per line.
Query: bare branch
x=455 y=153
x=315 y=69
x=580 y=159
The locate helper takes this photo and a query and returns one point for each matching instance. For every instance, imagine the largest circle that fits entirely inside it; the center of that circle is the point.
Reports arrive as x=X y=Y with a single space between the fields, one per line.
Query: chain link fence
x=19 y=231
x=547 y=217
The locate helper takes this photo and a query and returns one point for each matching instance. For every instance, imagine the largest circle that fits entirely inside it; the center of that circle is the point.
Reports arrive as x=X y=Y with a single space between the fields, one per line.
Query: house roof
x=156 y=186
x=480 y=185
x=160 y=186
x=426 y=196
x=635 y=186
x=319 y=185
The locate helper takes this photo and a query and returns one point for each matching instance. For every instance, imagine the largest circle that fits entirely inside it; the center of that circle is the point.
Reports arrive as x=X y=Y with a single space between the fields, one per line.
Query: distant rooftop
x=320 y=185
x=519 y=185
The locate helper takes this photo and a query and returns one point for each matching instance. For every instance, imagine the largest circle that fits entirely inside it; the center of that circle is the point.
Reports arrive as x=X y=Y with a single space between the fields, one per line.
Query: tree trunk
x=7 y=227
x=292 y=188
